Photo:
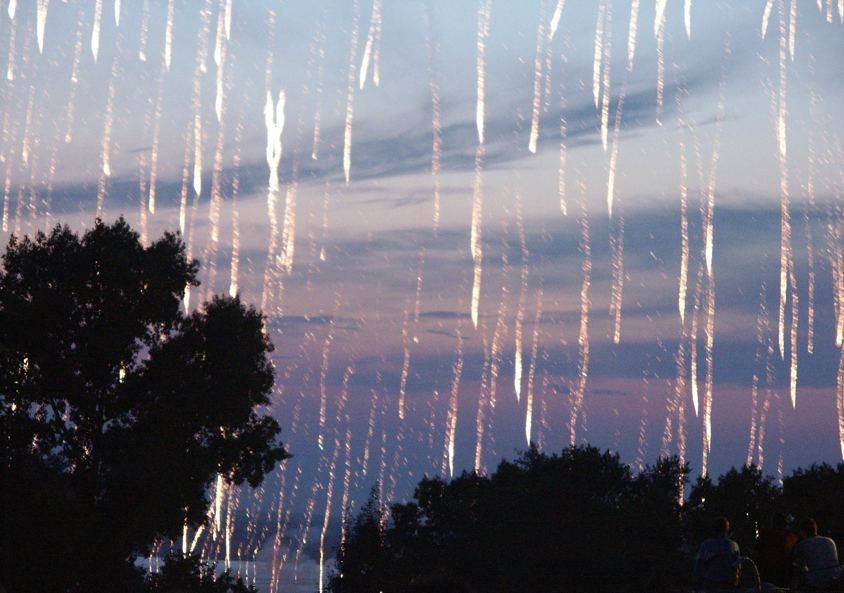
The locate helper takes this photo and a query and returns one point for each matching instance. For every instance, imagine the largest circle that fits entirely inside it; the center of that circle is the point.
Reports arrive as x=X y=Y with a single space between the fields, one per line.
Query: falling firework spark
x=761 y=347
x=323 y=374
x=684 y=222
x=792 y=28
x=687 y=18
x=144 y=35
x=41 y=22
x=482 y=402
x=235 y=265
x=484 y=12
x=320 y=37
x=617 y=288
x=839 y=392
x=633 y=29
x=374 y=25
x=561 y=174
x=660 y=66
x=436 y=114
x=105 y=169
x=405 y=365
x=537 y=80
x=606 y=86
x=168 y=34
x=583 y=335
x=350 y=92
x=766 y=16
x=274 y=120
x=785 y=206
x=598 y=53
x=476 y=242
x=74 y=82
x=520 y=311
x=555 y=20
x=451 y=419
x=156 y=140
x=95 y=30
x=534 y=353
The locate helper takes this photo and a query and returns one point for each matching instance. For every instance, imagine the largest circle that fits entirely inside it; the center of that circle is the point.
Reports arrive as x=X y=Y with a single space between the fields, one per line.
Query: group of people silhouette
x=788 y=554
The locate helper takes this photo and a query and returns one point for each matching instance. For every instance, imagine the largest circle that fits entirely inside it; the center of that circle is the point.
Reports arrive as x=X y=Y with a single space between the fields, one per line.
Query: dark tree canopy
x=117 y=409
x=575 y=522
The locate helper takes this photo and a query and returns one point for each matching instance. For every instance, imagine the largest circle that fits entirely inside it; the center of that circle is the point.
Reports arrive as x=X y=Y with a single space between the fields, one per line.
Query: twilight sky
x=365 y=312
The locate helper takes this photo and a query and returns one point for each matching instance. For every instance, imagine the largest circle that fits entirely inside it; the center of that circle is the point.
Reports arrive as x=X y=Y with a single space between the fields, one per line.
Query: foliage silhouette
x=117 y=410
x=579 y=521
x=540 y=523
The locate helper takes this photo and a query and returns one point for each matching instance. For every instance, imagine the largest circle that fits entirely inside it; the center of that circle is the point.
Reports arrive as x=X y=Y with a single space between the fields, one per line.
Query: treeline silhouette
x=578 y=521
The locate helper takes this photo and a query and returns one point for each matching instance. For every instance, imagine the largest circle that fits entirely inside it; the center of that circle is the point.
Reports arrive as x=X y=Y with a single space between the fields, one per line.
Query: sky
x=368 y=284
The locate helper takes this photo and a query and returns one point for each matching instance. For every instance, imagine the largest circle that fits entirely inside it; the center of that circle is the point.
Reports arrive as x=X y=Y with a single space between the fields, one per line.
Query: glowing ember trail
x=168 y=34
x=709 y=307
x=808 y=212
x=41 y=22
x=684 y=221
x=476 y=242
x=405 y=365
x=274 y=122
x=606 y=89
x=374 y=25
x=484 y=13
x=70 y=115
x=210 y=254
x=792 y=28
x=235 y=265
x=320 y=37
x=453 y=402
x=105 y=170
x=555 y=20
x=537 y=80
x=597 y=54
x=659 y=32
x=766 y=16
x=482 y=402
x=350 y=92
x=633 y=29
x=520 y=311
x=579 y=389
x=329 y=493
x=839 y=392
x=156 y=141
x=617 y=289
x=10 y=62
x=762 y=325
x=436 y=113
x=144 y=34
x=323 y=375
x=785 y=205
x=561 y=173
x=534 y=354
x=687 y=18
x=95 y=30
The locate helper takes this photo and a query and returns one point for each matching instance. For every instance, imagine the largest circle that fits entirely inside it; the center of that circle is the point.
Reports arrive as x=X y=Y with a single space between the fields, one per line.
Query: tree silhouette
x=117 y=410
x=577 y=521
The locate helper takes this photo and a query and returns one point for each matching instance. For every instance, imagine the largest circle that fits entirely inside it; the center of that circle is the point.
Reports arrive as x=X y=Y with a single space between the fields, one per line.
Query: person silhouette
x=717 y=559
x=815 y=558
x=775 y=551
